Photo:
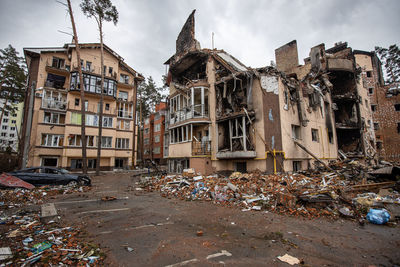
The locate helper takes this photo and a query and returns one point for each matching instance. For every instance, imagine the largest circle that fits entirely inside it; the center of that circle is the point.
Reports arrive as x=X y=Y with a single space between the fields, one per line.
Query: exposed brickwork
x=387 y=118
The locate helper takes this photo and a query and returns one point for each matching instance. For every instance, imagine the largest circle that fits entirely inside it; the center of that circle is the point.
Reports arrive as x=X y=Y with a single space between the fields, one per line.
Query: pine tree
x=100 y=10
x=12 y=80
x=391 y=61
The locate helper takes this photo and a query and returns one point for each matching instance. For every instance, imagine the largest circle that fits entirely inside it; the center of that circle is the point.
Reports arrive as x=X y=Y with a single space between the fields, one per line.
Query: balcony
x=49 y=103
x=201 y=148
x=189 y=112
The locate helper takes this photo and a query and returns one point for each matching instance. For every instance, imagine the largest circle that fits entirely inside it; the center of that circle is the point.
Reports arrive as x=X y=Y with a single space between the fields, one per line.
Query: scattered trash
x=39 y=242
x=199 y=233
x=129 y=249
x=378 y=216
x=289 y=259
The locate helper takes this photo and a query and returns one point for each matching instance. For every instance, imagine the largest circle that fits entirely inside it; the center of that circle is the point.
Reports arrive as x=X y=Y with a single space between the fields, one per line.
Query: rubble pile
x=27 y=237
x=29 y=240
x=344 y=191
x=10 y=198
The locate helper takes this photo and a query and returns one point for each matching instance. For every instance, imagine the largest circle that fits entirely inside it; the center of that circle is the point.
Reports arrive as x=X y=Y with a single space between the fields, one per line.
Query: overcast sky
x=250 y=30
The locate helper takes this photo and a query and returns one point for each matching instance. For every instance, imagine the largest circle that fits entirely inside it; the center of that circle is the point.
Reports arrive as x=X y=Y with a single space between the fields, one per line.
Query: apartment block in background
x=10 y=126
x=385 y=104
x=53 y=118
x=153 y=135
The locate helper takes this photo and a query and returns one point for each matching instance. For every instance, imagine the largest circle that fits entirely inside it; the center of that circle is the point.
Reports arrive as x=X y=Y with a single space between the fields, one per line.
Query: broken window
x=296 y=132
x=374 y=107
x=330 y=137
x=376 y=126
x=369 y=74
x=314 y=135
x=296 y=166
x=241 y=167
x=397 y=107
x=123 y=78
x=58 y=63
x=286 y=99
x=55 y=81
x=379 y=145
x=88 y=66
x=370 y=91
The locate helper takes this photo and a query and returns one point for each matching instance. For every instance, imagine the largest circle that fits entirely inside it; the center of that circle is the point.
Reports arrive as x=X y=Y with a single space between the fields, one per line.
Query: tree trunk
x=141 y=132
x=83 y=119
x=101 y=100
x=134 y=123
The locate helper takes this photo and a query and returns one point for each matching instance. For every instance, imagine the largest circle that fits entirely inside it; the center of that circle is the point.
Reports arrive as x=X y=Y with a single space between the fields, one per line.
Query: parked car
x=51 y=176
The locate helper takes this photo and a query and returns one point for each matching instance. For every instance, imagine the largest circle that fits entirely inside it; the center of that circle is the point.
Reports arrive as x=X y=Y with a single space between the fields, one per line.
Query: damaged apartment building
x=225 y=116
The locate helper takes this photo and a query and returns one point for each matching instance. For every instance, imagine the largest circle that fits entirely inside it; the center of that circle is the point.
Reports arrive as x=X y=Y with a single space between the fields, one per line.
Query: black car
x=51 y=176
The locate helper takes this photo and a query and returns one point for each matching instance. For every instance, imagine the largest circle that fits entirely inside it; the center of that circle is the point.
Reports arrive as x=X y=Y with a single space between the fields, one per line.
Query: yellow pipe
x=274 y=161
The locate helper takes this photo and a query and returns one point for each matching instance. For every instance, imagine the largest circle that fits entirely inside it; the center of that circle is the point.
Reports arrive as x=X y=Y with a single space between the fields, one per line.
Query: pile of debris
x=26 y=239
x=29 y=236
x=16 y=197
x=311 y=194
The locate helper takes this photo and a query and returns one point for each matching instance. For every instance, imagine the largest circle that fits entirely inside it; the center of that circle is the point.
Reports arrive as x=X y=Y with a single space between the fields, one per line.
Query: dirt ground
x=145 y=229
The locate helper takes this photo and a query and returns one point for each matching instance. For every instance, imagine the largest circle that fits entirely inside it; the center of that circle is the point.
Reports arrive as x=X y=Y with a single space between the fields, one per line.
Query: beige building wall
x=317 y=120
x=65 y=153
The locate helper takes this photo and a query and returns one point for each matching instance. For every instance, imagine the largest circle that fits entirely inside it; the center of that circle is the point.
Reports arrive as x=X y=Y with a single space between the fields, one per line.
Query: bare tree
x=82 y=88
x=100 y=10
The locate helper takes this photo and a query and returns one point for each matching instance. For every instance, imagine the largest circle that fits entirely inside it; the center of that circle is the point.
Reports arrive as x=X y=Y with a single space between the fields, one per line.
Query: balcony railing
x=201 y=148
x=54 y=104
x=189 y=112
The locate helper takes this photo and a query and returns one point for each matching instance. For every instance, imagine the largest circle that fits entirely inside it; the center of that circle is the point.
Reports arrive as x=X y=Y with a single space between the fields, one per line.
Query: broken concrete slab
x=48 y=213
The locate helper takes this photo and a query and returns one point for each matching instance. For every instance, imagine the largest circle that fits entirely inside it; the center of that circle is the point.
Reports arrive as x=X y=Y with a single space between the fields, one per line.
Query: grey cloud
x=250 y=30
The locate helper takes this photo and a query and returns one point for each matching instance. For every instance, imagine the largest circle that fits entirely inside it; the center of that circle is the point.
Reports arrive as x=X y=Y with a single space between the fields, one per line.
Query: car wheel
x=72 y=184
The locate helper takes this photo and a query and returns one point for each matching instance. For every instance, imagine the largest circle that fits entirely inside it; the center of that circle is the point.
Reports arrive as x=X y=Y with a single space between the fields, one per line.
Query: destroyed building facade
x=53 y=107
x=341 y=73
x=226 y=116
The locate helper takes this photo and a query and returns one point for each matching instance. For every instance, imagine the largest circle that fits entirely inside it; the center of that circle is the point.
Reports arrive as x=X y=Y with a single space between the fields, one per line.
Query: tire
x=72 y=183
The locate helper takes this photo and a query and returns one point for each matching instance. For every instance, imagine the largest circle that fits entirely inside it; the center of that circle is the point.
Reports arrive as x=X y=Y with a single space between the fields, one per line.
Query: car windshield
x=64 y=171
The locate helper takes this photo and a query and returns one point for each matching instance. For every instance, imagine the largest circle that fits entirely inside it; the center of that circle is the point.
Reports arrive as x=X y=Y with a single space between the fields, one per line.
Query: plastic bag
x=376 y=216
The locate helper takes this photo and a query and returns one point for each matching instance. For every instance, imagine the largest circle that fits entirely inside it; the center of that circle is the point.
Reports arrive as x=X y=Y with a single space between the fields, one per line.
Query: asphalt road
x=163 y=232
